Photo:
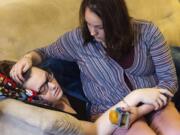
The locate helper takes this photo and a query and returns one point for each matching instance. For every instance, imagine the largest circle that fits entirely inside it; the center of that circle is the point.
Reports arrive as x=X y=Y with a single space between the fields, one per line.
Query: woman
x=116 y=55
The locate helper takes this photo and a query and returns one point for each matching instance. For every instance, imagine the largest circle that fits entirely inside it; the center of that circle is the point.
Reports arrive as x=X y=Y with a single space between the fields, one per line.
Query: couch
x=36 y=23
x=28 y=24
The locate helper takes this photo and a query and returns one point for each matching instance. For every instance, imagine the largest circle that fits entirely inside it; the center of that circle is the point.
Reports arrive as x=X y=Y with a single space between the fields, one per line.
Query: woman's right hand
x=19 y=68
x=157 y=97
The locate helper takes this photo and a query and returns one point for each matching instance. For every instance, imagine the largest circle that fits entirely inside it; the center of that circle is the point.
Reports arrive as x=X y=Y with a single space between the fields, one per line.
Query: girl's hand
x=19 y=68
x=155 y=96
x=134 y=114
x=138 y=112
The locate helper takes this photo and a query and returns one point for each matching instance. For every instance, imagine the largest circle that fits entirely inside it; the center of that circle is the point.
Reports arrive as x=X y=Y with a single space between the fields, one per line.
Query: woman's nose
x=93 y=31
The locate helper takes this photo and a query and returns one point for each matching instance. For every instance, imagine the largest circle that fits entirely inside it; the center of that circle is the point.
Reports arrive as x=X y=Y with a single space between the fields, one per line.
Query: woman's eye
x=99 y=27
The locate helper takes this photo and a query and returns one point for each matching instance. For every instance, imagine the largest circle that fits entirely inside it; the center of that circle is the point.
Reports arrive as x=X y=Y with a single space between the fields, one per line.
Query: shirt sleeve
x=162 y=59
x=65 y=48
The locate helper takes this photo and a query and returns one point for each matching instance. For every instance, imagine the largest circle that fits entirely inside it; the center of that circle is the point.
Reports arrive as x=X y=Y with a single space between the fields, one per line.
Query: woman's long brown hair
x=119 y=33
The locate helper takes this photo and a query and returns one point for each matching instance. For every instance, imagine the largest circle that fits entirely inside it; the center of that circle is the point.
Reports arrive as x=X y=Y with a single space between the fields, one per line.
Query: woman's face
x=45 y=84
x=95 y=25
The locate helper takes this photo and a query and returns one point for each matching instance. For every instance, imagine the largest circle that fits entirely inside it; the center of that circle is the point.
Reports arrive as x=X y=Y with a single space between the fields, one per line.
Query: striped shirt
x=103 y=78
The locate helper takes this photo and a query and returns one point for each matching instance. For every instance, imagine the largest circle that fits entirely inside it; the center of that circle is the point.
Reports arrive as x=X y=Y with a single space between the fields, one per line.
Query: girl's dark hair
x=27 y=74
x=119 y=33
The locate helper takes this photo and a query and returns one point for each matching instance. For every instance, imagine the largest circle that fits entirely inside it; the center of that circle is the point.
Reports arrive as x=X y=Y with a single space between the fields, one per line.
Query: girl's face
x=45 y=84
x=95 y=25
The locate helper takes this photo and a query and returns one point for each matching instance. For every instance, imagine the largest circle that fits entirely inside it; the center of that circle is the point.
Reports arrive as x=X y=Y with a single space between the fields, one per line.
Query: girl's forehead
x=36 y=79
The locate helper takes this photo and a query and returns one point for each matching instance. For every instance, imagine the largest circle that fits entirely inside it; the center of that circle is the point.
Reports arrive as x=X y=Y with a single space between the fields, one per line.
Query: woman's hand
x=19 y=68
x=156 y=96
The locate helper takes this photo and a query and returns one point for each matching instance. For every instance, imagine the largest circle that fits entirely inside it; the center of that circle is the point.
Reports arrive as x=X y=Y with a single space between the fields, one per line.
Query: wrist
x=135 y=98
x=139 y=95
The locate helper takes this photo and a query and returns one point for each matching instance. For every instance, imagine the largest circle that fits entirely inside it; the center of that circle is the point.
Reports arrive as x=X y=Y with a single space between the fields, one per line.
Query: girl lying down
x=45 y=87
x=40 y=88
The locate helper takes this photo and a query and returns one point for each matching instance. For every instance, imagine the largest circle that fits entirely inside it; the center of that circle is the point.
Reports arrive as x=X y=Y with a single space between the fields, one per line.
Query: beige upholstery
x=164 y=13
x=18 y=118
x=28 y=24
